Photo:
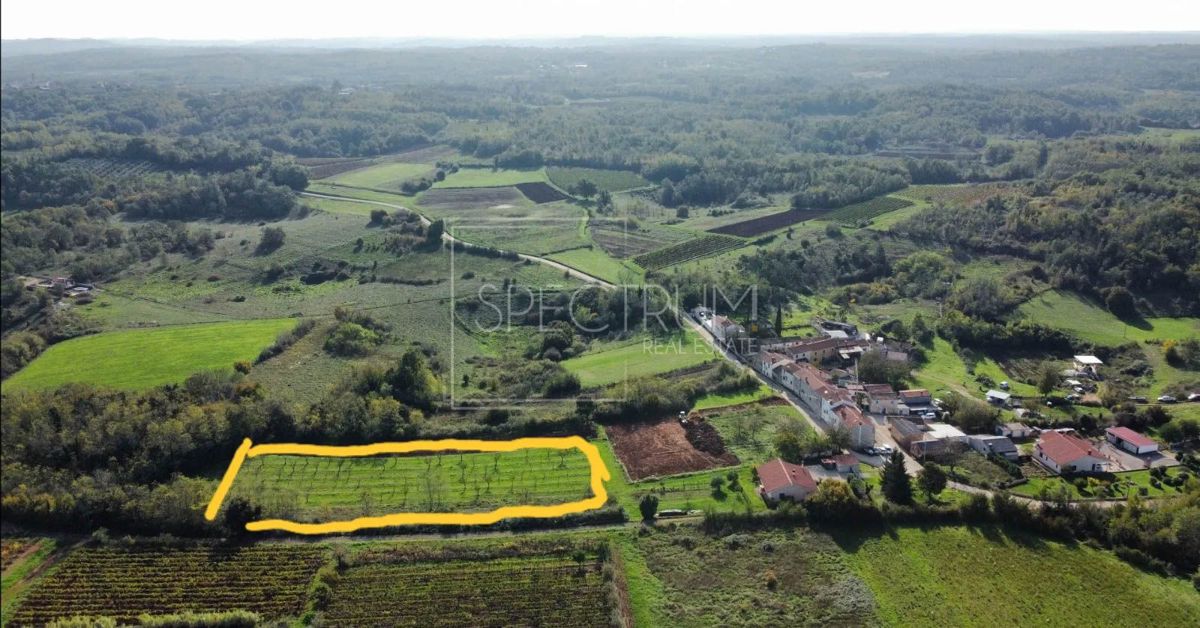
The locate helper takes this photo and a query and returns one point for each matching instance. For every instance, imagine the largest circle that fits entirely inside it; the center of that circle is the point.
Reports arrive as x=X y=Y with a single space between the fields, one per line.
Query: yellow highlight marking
x=599 y=475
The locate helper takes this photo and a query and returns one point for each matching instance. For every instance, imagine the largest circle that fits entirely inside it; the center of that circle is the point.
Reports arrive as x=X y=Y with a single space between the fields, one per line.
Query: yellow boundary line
x=599 y=475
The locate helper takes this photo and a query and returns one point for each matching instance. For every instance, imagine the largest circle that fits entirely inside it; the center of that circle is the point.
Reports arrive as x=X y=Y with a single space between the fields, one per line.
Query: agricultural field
x=471 y=198
x=749 y=429
x=339 y=206
x=114 y=168
x=719 y=400
x=384 y=176
x=766 y=224
x=935 y=577
x=320 y=489
x=594 y=261
x=688 y=250
x=863 y=213
x=540 y=192
x=486 y=178
x=609 y=363
x=25 y=559
x=472 y=585
x=797 y=577
x=611 y=180
x=662 y=448
x=686 y=492
x=124 y=582
x=141 y=358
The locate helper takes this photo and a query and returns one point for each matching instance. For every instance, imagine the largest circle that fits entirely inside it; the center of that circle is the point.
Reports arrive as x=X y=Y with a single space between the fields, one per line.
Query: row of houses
x=832 y=404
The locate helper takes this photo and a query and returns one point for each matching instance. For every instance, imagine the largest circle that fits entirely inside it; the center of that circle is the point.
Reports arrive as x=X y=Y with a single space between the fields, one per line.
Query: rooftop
x=1088 y=360
x=1066 y=448
x=1130 y=436
x=914 y=393
x=940 y=431
x=777 y=474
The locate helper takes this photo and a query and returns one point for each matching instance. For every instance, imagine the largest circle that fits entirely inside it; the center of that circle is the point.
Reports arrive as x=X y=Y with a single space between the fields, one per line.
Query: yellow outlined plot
x=599 y=475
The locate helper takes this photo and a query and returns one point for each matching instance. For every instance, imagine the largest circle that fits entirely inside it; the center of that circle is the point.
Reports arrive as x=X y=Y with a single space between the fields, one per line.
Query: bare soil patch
x=771 y=222
x=469 y=198
x=662 y=448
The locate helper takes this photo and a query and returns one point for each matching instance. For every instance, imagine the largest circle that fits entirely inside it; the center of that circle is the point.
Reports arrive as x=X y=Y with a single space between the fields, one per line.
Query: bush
x=351 y=340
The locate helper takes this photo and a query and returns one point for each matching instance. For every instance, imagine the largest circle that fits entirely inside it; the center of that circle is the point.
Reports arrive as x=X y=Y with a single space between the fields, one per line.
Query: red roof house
x=783 y=480
x=1067 y=453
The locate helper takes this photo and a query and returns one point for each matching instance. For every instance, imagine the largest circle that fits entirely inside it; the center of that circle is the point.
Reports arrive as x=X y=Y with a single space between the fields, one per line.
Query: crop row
x=687 y=251
x=126 y=582
x=113 y=168
x=860 y=213
x=305 y=486
x=549 y=591
x=12 y=548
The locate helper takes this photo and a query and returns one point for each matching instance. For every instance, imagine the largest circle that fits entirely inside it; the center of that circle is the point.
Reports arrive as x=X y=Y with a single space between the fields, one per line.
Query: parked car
x=1194 y=397
x=1004 y=385
x=1166 y=399
x=929 y=416
x=884 y=450
x=1138 y=399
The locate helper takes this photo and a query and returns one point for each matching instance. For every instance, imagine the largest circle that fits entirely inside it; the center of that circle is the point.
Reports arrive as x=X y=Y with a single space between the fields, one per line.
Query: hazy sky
x=274 y=19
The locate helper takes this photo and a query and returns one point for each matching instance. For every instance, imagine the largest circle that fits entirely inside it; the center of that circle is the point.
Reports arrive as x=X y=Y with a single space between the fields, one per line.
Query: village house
x=1087 y=365
x=883 y=399
x=1130 y=440
x=846 y=463
x=816 y=350
x=768 y=363
x=916 y=401
x=988 y=444
x=724 y=330
x=1067 y=453
x=905 y=432
x=998 y=398
x=861 y=429
x=779 y=480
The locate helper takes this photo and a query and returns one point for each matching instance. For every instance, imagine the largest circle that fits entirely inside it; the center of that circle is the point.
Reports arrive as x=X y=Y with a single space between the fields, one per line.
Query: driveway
x=1131 y=462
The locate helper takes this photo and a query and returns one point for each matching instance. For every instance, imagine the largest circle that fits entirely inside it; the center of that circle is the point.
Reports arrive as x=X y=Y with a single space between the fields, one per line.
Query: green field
x=960 y=576
x=597 y=263
x=749 y=430
x=305 y=488
x=1125 y=483
x=610 y=363
x=690 y=491
x=141 y=358
x=611 y=180
x=337 y=206
x=718 y=400
x=486 y=178
x=386 y=176
x=864 y=212
x=945 y=370
x=1095 y=324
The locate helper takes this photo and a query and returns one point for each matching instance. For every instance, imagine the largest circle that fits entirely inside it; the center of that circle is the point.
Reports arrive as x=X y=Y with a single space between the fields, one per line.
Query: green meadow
x=1095 y=324
x=387 y=176
x=611 y=180
x=142 y=358
x=486 y=178
x=608 y=363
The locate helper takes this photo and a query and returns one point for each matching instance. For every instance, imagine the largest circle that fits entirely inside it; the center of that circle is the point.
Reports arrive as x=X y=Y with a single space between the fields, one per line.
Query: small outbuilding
x=1130 y=440
x=998 y=398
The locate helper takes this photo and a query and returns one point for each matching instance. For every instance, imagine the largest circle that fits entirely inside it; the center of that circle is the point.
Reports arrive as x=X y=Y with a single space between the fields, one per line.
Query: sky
x=505 y=19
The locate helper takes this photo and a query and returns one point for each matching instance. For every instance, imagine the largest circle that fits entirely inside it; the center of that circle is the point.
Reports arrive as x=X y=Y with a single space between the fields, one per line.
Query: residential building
x=988 y=444
x=938 y=439
x=861 y=428
x=1015 y=431
x=1087 y=365
x=998 y=398
x=1065 y=452
x=1130 y=440
x=779 y=480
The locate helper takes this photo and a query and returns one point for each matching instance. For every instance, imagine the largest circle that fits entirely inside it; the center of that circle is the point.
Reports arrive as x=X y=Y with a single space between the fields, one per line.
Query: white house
x=1130 y=440
x=1067 y=453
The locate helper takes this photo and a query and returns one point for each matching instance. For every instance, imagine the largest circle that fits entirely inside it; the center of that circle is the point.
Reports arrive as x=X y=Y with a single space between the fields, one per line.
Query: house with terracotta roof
x=816 y=350
x=769 y=362
x=1130 y=440
x=1067 y=453
x=779 y=480
x=861 y=428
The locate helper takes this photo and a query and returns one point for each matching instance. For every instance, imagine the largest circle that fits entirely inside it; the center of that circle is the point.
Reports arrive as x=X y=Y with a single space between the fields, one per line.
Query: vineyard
x=552 y=589
x=125 y=582
x=322 y=489
x=540 y=192
x=114 y=168
x=687 y=251
x=862 y=213
x=765 y=224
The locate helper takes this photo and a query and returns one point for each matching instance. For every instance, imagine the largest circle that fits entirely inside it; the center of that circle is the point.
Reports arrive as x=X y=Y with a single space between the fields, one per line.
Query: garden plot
x=539 y=192
x=768 y=223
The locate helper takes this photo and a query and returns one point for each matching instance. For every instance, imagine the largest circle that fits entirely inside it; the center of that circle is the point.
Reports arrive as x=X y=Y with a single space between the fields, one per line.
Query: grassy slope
x=597 y=263
x=141 y=358
x=611 y=363
x=958 y=576
x=717 y=400
x=1090 y=322
x=611 y=180
x=485 y=177
x=387 y=176
x=943 y=369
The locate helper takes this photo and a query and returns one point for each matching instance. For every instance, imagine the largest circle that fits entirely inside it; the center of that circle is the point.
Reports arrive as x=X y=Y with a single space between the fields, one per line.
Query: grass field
x=611 y=180
x=336 y=206
x=717 y=400
x=944 y=369
x=486 y=178
x=960 y=576
x=1095 y=324
x=511 y=588
x=596 y=262
x=123 y=583
x=386 y=176
x=690 y=491
x=749 y=430
x=303 y=488
x=141 y=358
x=610 y=363
x=794 y=577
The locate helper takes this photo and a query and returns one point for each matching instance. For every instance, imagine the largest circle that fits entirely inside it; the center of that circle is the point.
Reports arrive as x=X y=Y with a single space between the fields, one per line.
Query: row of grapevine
x=114 y=168
x=689 y=250
x=126 y=582
x=862 y=213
